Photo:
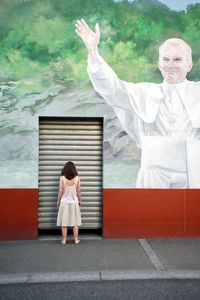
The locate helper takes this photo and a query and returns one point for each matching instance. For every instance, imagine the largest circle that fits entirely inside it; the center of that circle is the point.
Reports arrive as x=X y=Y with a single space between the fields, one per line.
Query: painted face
x=173 y=63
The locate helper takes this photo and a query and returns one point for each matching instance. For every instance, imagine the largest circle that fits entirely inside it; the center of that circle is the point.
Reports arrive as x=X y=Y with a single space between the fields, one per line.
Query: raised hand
x=89 y=37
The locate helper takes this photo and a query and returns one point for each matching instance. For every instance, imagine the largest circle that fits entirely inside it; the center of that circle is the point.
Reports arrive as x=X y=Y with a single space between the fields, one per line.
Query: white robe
x=164 y=121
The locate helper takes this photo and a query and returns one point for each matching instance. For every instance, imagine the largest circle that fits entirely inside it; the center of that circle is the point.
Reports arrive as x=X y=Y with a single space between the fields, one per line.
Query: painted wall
x=147 y=213
x=127 y=213
x=18 y=214
x=43 y=73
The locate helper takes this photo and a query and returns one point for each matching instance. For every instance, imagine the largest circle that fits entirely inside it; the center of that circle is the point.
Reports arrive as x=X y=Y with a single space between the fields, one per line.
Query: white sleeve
x=141 y=99
x=116 y=93
x=132 y=103
x=108 y=85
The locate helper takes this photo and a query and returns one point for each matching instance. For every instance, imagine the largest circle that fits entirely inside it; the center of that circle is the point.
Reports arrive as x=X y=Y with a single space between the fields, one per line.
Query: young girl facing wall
x=69 y=202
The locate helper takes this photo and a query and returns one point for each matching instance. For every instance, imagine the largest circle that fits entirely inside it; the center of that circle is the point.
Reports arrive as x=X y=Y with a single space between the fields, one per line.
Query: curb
x=97 y=276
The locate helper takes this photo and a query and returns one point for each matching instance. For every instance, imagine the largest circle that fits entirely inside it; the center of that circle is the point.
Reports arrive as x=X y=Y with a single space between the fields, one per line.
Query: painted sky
x=178 y=4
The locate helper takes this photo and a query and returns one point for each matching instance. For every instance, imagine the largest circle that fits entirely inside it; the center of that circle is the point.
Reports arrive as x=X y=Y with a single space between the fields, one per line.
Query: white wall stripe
x=151 y=254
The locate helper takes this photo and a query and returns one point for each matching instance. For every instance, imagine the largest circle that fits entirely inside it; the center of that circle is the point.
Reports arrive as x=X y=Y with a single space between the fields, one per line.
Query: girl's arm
x=60 y=191
x=79 y=191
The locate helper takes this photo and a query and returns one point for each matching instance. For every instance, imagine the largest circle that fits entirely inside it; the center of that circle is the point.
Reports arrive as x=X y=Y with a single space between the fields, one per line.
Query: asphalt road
x=161 y=289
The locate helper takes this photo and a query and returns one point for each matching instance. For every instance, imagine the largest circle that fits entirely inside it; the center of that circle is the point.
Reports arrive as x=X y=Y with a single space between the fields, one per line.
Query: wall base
x=18 y=214
x=127 y=213
x=151 y=213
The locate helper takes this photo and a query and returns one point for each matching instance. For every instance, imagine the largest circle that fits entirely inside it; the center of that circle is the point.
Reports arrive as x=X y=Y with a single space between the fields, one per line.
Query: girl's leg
x=64 y=234
x=75 y=234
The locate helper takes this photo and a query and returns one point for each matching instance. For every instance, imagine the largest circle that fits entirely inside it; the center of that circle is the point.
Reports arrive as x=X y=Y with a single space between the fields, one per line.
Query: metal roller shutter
x=80 y=141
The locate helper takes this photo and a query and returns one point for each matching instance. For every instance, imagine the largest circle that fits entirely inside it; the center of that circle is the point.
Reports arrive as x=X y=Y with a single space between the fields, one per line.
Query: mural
x=43 y=67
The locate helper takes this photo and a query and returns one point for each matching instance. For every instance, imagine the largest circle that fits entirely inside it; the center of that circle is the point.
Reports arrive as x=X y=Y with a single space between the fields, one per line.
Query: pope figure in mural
x=163 y=119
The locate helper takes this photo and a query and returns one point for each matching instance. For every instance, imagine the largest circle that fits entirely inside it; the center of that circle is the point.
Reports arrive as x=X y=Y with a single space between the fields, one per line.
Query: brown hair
x=69 y=170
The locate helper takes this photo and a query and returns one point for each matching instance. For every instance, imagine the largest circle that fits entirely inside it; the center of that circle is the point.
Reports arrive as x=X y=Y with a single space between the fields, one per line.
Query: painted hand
x=89 y=37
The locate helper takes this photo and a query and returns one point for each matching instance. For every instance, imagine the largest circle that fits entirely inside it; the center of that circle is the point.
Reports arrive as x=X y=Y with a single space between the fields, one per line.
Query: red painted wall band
x=151 y=213
x=18 y=214
x=127 y=213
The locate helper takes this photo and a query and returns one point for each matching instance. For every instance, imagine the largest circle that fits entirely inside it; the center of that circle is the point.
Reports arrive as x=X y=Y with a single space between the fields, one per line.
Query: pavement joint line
x=103 y=275
x=151 y=254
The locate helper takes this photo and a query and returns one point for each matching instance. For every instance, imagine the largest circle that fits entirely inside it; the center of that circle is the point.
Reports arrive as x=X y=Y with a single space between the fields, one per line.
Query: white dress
x=164 y=121
x=69 y=210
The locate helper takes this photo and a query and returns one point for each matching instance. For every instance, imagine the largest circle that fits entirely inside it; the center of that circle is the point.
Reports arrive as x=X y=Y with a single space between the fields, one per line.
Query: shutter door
x=80 y=141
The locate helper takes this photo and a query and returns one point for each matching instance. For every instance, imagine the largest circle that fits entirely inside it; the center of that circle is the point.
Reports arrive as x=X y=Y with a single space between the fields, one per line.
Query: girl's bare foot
x=77 y=242
x=63 y=242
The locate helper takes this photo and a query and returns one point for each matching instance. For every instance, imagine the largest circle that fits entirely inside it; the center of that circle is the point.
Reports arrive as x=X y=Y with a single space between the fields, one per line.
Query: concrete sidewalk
x=98 y=259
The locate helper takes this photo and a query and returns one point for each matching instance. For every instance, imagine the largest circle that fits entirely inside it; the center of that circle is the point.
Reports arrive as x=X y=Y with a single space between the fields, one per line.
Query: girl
x=69 y=201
